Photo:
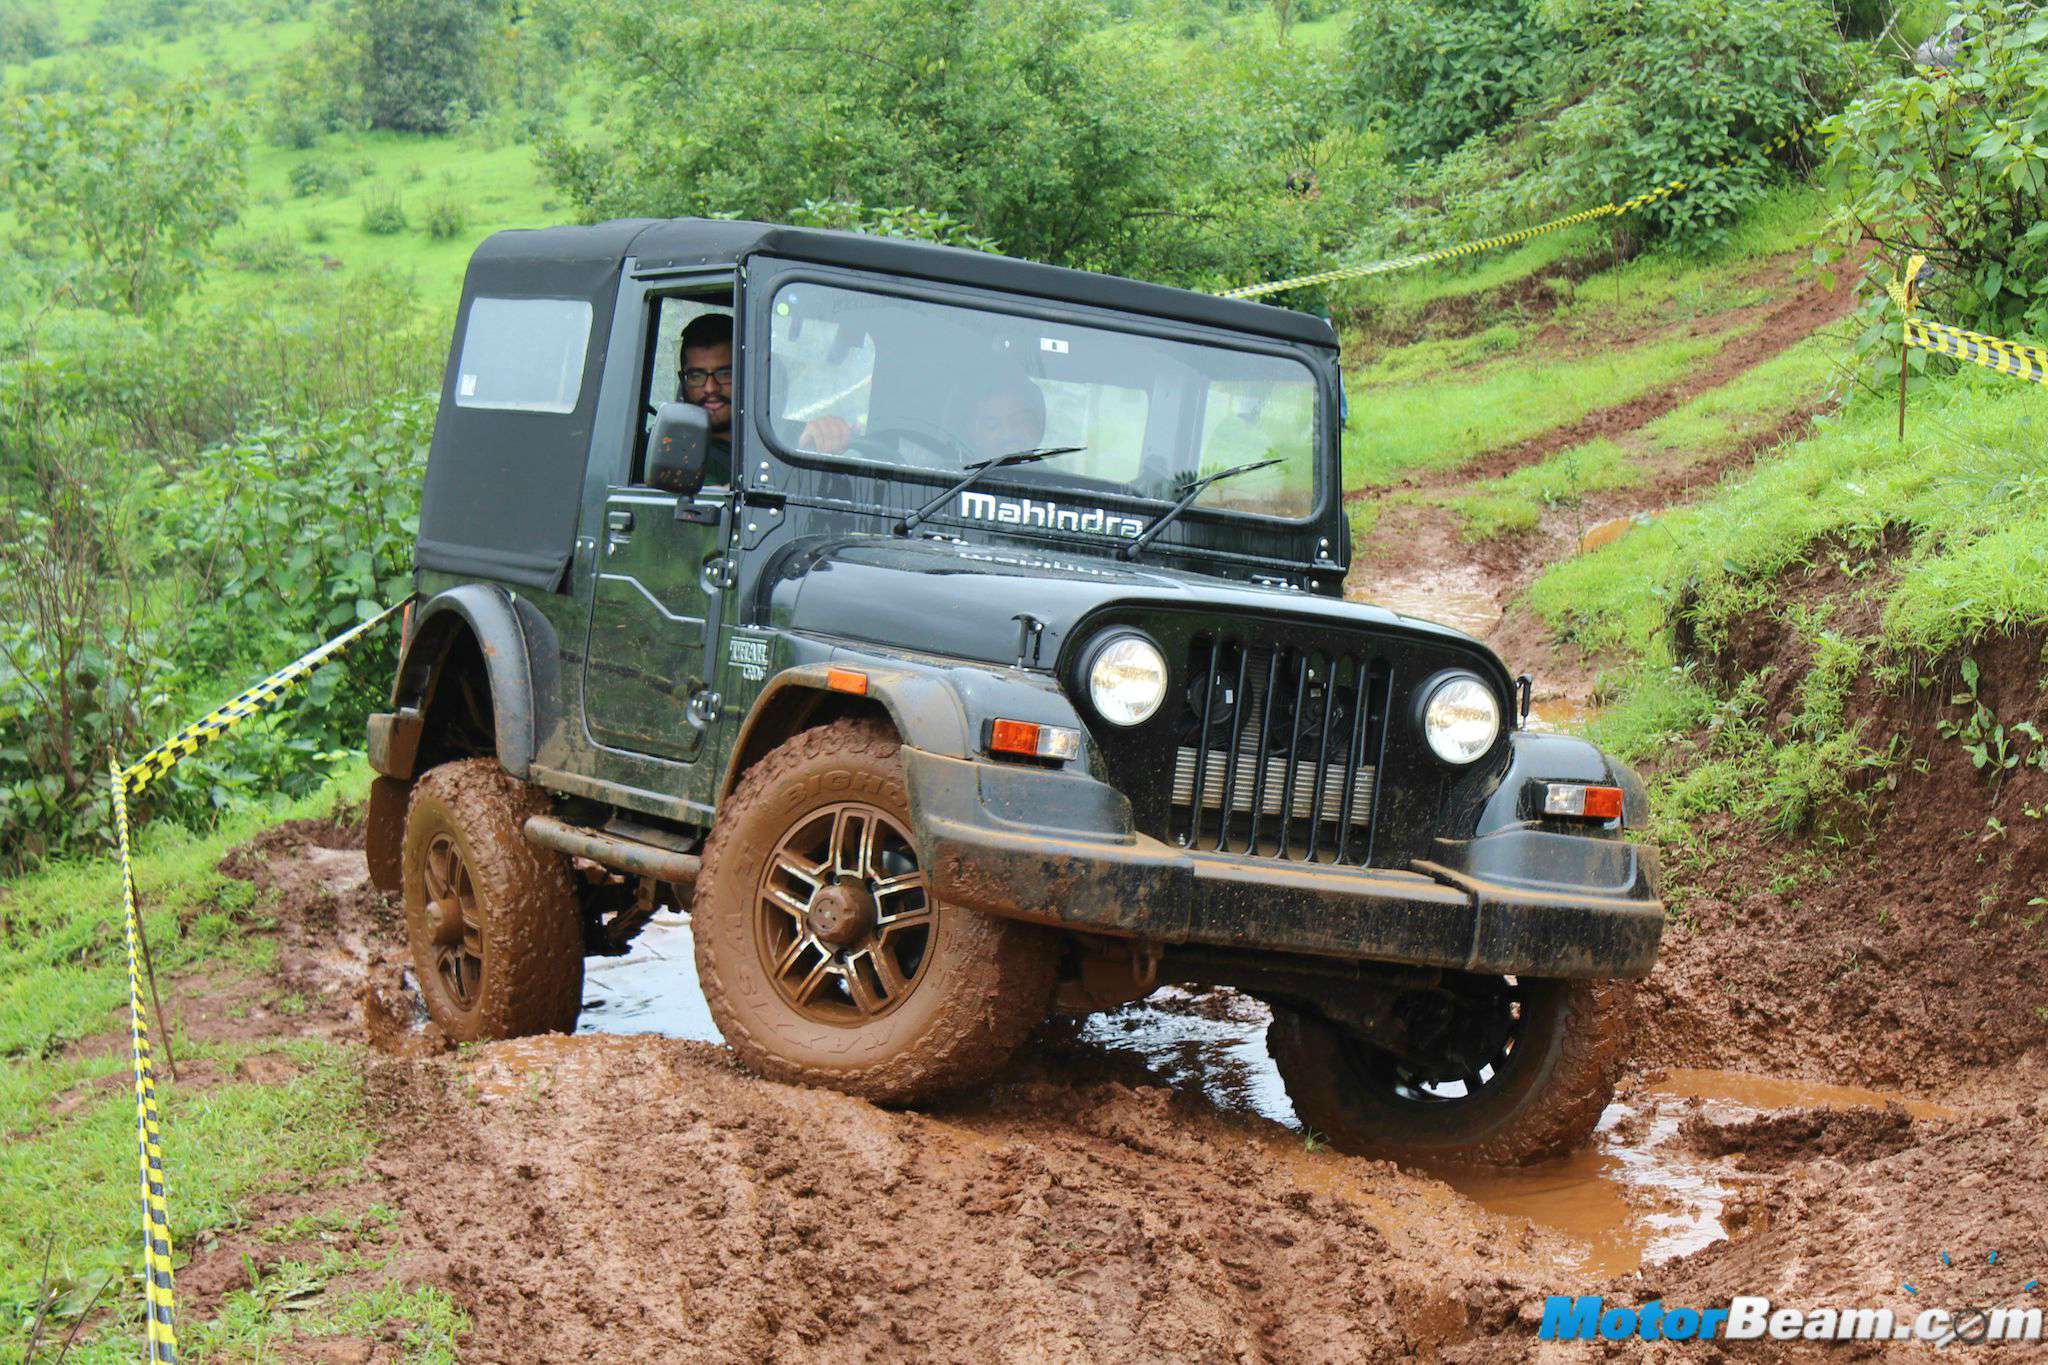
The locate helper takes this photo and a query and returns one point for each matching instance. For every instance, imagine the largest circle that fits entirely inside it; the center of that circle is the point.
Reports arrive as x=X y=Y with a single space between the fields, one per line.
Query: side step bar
x=609 y=850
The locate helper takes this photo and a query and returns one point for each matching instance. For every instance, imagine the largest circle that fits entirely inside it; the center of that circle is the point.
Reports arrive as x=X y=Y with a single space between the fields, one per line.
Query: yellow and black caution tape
x=1631 y=205
x=159 y=1298
x=2006 y=357
x=256 y=700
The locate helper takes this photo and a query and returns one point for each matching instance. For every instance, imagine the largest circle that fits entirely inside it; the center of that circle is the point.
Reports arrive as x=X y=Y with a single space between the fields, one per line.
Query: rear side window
x=523 y=355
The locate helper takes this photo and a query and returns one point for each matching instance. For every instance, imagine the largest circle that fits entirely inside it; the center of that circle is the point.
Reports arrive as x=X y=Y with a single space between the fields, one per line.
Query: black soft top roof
x=685 y=242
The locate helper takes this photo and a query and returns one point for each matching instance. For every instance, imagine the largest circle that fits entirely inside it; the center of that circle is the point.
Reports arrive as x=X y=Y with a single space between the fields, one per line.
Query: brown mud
x=1131 y=1187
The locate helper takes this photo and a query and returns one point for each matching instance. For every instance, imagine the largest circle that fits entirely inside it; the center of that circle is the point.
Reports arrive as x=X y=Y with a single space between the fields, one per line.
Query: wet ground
x=1640 y=1195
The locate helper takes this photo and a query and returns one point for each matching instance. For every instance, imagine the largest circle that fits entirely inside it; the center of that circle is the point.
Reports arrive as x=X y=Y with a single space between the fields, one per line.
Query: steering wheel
x=917 y=431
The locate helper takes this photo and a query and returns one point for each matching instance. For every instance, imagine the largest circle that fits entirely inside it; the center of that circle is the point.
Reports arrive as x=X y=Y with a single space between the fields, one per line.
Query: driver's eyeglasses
x=696 y=378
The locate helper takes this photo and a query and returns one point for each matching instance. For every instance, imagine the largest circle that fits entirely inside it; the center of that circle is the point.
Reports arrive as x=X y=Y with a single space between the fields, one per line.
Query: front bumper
x=1058 y=848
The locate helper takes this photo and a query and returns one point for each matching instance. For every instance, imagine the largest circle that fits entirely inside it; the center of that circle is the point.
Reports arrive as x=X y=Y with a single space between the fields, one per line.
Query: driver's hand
x=826 y=435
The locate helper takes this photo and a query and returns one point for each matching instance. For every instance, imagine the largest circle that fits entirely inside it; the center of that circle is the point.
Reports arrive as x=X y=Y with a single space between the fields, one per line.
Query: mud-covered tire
x=984 y=983
x=1569 y=1053
x=520 y=907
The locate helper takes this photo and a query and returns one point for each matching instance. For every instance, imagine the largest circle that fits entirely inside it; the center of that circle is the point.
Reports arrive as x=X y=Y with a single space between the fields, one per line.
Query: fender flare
x=492 y=617
x=937 y=709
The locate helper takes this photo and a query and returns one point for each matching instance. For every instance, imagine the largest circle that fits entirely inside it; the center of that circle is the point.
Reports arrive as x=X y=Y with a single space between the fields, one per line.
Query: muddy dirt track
x=1130 y=1190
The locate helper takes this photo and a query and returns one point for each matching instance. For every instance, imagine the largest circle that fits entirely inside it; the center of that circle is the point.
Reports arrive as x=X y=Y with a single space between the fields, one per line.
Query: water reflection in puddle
x=652 y=989
x=1636 y=1195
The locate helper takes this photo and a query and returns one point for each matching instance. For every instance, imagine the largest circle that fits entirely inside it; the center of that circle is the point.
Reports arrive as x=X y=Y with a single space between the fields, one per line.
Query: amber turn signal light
x=1023 y=739
x=846 y=680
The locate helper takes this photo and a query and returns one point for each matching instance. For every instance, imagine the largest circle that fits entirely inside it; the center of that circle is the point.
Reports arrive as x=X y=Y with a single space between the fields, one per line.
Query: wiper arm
x=975 y=472
x=1194 y=490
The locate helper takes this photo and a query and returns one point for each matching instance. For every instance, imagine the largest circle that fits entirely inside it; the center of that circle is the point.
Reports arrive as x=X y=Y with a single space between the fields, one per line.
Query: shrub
x=144 y=182
x=1948 y=165
x=1677 y=88
x=445 y=218
x=318 y=231
x=383 y=213
x=28 y=31
x=266 y=252
x=416 y=64
x=312 y=179
x=1434 y=73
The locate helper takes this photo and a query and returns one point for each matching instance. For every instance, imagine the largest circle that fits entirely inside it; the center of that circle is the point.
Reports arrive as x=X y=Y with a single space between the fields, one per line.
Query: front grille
x=1282 y=745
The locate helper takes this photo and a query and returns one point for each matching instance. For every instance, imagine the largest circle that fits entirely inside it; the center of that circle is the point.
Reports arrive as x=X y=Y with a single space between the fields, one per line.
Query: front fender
x=936 y=706
x=493 y=618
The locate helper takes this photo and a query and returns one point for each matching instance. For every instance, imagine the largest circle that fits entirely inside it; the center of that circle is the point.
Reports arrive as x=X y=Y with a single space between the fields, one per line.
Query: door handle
x=619 y=522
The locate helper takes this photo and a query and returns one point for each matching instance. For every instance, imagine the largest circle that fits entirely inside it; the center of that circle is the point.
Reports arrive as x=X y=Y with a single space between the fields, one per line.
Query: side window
x=523 y=355
x=705 y=319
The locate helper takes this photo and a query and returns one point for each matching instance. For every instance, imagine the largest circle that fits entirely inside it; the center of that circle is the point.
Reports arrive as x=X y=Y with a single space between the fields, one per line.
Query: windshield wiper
x=1194 y=490
x=975 y=472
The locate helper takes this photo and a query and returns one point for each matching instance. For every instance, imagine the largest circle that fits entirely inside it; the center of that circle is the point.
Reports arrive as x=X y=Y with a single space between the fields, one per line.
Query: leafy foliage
x=142 y=183
x=1688 y=90
x=28 y=30
x=1010 y=117
x=417 y=63
x=1435 y=72
x=1952 y=164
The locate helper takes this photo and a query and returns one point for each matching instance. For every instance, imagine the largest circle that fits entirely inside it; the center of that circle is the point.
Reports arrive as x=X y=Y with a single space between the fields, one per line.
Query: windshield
x=910 y=382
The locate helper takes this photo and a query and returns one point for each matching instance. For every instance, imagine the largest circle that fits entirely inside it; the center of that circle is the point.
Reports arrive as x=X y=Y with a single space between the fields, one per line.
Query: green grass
x=67 y=1163
x=1517 y=502
x=1969 y=486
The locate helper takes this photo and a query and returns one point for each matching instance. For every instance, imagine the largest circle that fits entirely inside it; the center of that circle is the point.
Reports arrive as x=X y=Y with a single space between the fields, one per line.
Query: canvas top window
x=881 y=379
x=523 y=355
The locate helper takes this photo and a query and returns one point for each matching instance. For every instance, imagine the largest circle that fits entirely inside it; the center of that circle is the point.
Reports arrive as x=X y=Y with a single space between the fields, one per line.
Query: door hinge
x=720 y=573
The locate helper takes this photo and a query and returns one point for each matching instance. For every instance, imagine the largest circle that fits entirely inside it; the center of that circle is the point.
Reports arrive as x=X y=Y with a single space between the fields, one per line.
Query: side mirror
x=678 y=447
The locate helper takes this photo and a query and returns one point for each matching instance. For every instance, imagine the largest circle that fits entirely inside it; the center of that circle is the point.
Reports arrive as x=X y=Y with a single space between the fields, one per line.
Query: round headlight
x=1126 y=679
x=1461 y=719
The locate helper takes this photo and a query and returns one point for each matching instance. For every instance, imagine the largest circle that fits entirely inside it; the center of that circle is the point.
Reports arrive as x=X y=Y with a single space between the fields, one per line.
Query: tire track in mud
x=1783 y=326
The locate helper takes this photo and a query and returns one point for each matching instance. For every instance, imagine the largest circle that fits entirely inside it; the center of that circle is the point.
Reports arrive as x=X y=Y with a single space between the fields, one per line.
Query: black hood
x=962 y=601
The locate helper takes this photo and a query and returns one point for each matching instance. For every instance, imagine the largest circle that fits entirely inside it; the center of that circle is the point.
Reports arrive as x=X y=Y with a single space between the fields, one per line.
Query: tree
x=1018 y=119
x=141 y=182
x=418 y=63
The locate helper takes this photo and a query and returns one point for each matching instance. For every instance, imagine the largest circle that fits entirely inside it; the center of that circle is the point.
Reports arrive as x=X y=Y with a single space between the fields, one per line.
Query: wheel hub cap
x=842 y=917
x=841 y=914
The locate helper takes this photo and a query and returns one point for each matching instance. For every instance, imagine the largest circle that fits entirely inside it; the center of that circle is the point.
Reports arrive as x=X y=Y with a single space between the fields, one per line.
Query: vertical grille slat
x=1239 y=704
x=1353 y=750
x=1287 y=768
x=1202 y=740
x=1293 y=751
x=1265 y=731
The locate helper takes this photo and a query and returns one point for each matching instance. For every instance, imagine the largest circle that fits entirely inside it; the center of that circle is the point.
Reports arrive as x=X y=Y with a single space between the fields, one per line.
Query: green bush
x=28 y=31
x=445 y=218
x=417 y=65
x=315 y=178
x=1690 y=90
x=383 y=213
x=1434 y=72
x=1954 y=166
x=264 y=252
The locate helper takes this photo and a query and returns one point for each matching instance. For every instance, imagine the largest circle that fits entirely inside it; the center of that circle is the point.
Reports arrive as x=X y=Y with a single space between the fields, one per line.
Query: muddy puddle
x=1560 y=714
x=1637 y=1196
x=1459 y=597
x=652 y=989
